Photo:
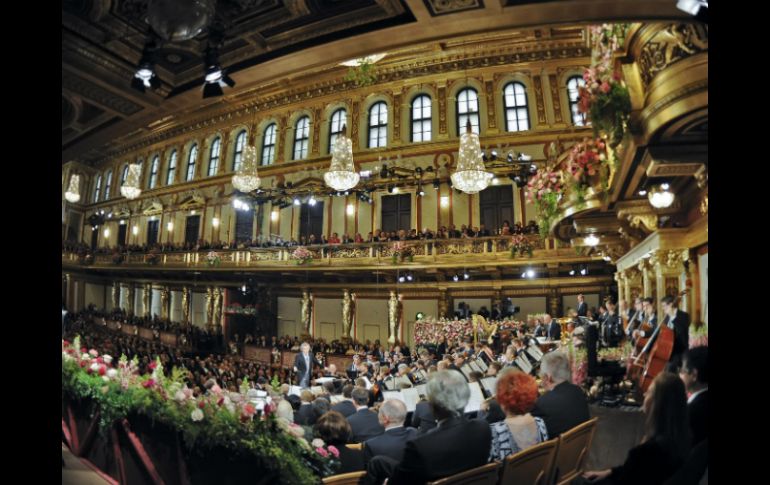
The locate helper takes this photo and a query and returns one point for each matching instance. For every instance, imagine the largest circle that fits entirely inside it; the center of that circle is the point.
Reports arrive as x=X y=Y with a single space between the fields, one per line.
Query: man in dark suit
x=456 y=445
x=304 y=415
x=679 y=322
x=540 y=329
x=303 y=365
x=364 y=421
x=582 y=308
x=694 y=373
x=346 y=406
x=393 y=441
x=422 y=417
x=564 y=406
x=612 y=329
x=553 y=329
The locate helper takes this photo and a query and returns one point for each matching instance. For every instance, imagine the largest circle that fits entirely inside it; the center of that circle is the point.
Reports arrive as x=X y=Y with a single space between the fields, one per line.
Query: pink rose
x=322 y=452
x=153 y=365
x=202 y=404
x=93 y=353
x=149 y=383
x=605 y=87
x=216 y=389
x=334 y=451
x=102 y=370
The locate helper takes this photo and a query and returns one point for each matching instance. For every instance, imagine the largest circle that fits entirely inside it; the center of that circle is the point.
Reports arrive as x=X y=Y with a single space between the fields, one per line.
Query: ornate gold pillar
x=554 y=302
x=185 y=304
x=164 y=302
x=115 y=295
x=209 y=306
x=393 y=317
x=668 y=266
x=216 y=312
x=443 y=304
x=347 y=315
x=620 y=279
x=645 y=268
x=306 y=311
x=131 y=298
x=147 y=299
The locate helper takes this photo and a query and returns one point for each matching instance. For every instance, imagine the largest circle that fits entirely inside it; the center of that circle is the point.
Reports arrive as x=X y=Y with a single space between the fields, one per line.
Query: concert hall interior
x=385 y=241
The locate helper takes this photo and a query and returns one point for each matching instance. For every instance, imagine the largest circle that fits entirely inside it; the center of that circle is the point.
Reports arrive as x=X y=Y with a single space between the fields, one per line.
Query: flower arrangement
x=363 y=74
x=699 y=335
x=521 y=244
x=328 y=458
x=544 y=190
x=586 y=161
x=578 y=358
x=401 y=252
x=213 y=259
x=604 y=98
x=302 y=255
x=216 y=420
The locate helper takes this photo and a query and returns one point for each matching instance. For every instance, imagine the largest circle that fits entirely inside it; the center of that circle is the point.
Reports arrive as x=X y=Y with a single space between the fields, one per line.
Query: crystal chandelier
x=131 y=187
x=471 y=176
x=660 y=196
x=73 y=191
x=246 y=178
x=342 y=174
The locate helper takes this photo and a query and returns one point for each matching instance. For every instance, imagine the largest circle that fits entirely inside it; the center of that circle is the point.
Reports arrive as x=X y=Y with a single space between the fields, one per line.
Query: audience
x=564 y=405
x=335 y=431
x=392 y=442
x=694 y=374
x=364 y=422
x=346 y=406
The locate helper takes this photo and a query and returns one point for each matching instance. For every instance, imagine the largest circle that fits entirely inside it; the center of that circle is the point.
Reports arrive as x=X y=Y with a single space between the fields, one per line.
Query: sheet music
x=411 y=398
x=477 y=397
x=490 y=384
x=388 y=384
x=523 y=364
x=317 y=390
x=392 y=395
x=466 y=371
x=422 y=390
x=403 y=381
x=474 y=366
x=322 y=380
x=295 y=390
x=482 y=365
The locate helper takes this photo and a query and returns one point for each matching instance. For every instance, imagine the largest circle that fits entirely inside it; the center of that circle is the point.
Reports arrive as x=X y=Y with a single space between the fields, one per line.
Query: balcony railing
x=423 y=251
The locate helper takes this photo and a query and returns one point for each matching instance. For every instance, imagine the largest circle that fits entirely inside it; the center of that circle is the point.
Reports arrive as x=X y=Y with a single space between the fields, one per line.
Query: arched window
x=154 y=171
x=378 y=125
x=216 y=145
x=240 y=144
x=516 y=109
x=467 y=109
x=97 y=187
x=268 y=145
x=573 y=85
x=125 y=174
x=421 y=122
x=301 y=138
x=108 y=185
x=339 y=119
x=171 y=172
x=191 y=159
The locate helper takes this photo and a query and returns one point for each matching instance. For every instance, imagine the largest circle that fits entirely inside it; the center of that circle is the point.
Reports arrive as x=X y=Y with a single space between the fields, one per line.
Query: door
x=496 y=206
x=122 y=234
x=311 y=220
x=244 y=225
x=192 y=229
x=152 y=232
x=397 y=212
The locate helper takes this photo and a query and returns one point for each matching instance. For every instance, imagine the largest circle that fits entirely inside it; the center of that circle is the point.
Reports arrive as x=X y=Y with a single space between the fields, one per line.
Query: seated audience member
x=456 y=445
x=364 y=422
x=335 y=431
x=666 y=441
x=516 y=393
x=304 y=414
x=694 y=374
x=564 y=405
x=346 y=406
x=422 y=417
x=491 y=412
x=393 y=441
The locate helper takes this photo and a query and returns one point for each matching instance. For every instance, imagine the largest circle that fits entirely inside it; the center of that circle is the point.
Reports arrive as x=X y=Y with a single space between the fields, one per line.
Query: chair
x=694 y=468
x=353 y=478
x=572 y=454
x=532 y=466
x=355 y=446
x=488 y=474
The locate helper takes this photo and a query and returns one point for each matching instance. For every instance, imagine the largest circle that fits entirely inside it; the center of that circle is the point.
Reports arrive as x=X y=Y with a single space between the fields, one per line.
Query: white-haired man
x=564 y=406
x=303 y=365
x=392 y=415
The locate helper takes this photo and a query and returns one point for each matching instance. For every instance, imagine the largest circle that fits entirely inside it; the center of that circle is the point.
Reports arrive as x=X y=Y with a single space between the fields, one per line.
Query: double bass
x=655 y=355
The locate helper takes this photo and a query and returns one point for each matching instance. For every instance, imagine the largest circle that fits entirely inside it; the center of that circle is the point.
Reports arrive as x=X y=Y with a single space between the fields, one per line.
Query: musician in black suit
x=346 y=406
x=303 y=365
x=582 y=308
x=694 y=373
x=649 y=318
x=456 y=445
x=393 y=441
x=564 y=406
x=540 y=329
x=636 y=317
x=612 y=328
x=364 y=421
x=678 y=321
x=352 y=369
x=553 y=328
x=422 y=417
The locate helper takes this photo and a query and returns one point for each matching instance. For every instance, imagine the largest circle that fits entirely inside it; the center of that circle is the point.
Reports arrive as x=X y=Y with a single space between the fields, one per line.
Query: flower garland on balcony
x=544 y=191
x=604 y=98
x=402 y=252
x=586 y=161
x=213 y=259
x=217 y=420
x=153 y=257
x=302 y=255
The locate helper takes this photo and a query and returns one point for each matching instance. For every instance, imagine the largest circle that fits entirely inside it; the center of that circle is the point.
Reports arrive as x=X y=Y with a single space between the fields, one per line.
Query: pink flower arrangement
x=302 y=255
x=322 y=452
x=585 y=159
x=544 y=182
x=334 y=451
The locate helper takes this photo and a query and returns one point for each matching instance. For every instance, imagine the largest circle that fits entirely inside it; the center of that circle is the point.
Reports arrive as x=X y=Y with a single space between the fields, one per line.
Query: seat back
x=355 y=446
x=353 y=478
x=572 y=454
x=532 y=466
x=488 y=474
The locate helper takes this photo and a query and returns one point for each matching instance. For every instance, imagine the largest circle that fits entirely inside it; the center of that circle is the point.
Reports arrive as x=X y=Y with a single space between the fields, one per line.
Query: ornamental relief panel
x=671 y=45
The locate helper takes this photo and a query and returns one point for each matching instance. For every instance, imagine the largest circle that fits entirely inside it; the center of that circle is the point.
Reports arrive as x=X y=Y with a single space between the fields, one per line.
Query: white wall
x=328 y=318
x=289 y=316
x=95 y=295
x=198 y=309
x=138 y=308
x=155 y=306
x=372 y=319
x=123 y=297
x=529 y=305
x=176 y=306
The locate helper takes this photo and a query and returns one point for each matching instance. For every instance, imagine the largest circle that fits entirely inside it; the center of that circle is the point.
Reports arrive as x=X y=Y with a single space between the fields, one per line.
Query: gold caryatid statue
x=347 y=315
x=209 y=305
x=480 y=326
x=393 y=317
x=305 y=315
x=164 y=296
x=216 y=312
x=186 y=305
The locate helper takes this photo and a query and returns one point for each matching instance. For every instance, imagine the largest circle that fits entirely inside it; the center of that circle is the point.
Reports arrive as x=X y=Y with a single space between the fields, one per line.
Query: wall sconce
x=170 y=226
x=135 y=230
x=107 y=232
x=274 y=216
x=444 y=201
x=215 y=222
x=351 y=210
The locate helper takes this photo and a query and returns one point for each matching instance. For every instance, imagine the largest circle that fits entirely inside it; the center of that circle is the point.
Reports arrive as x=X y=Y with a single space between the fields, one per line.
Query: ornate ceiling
x=269 y=41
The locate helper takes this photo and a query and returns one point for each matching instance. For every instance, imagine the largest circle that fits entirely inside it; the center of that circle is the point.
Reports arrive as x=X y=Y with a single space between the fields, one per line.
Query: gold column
x=164 y=302
x=186 y=305
x=443 y=304
x=131 y=298
x=216 y=313
x=306 y=311
x=209 y=306
x=392 y=317
x=668 y=268
x=620 y=278
x=147 y=299
x=115 y=295
x=347 y=315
